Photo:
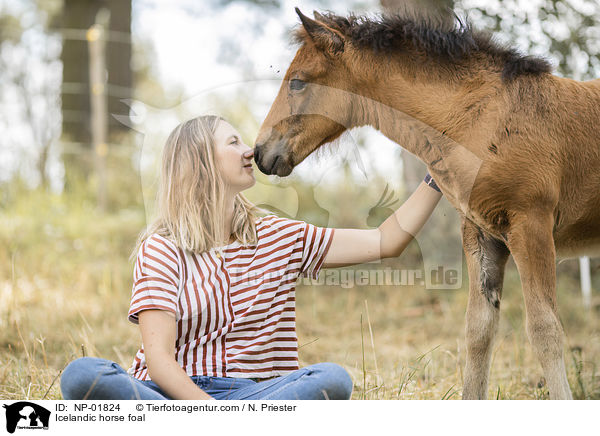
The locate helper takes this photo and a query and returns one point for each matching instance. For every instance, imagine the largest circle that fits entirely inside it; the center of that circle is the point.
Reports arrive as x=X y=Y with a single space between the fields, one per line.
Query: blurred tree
x=77 y=17
x=148 y=87
x=275 y=4
x=419 y=6
x=568 y=31
x=28 y=60
x=260 y=13
x=10 y=26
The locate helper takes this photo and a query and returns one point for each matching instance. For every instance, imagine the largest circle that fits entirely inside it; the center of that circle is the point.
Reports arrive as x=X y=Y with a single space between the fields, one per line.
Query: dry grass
x=65 y=286
x=417 y=349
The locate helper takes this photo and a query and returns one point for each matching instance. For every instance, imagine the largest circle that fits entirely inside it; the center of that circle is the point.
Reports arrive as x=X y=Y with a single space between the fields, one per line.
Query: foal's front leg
x=486 y=259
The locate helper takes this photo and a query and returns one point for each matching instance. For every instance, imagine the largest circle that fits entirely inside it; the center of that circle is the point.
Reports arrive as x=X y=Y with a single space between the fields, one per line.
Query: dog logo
x=26 y=415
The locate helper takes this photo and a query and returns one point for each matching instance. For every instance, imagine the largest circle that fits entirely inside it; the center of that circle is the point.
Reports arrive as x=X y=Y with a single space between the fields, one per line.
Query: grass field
x=65 y=283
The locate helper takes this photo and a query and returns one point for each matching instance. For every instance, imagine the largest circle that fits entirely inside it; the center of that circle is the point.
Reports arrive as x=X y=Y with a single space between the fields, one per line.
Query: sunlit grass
x=65 y=282
x=419 y=345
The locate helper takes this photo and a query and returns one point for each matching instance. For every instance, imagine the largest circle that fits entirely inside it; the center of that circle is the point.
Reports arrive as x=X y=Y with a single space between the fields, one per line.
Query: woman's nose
x=248 y=154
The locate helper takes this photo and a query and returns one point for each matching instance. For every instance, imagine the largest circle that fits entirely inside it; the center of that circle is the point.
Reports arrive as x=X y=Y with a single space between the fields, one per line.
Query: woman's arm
x=158 y=336
x=352 y=246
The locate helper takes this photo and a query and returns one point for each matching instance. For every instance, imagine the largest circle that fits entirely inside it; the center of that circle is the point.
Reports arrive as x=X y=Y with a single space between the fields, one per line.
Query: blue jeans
x=92 y=378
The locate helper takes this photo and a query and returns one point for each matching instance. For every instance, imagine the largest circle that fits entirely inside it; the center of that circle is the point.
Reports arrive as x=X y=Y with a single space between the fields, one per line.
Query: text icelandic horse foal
x=515 y=149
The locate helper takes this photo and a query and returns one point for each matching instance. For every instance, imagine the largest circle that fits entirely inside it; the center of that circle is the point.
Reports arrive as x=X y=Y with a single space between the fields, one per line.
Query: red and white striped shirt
x=235 y=312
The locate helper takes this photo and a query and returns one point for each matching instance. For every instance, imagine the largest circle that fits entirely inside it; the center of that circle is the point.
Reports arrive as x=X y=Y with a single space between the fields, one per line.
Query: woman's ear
x=325 y=38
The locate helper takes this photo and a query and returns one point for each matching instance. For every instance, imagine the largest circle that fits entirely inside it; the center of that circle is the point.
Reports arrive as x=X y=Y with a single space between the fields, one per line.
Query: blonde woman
x=214 y=283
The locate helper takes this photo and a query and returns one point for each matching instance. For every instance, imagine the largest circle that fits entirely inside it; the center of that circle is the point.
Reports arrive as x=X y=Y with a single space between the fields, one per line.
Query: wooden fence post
x=98 y=100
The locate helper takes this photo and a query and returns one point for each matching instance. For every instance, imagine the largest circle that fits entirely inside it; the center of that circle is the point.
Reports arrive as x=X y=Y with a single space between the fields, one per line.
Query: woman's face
x=233 y=158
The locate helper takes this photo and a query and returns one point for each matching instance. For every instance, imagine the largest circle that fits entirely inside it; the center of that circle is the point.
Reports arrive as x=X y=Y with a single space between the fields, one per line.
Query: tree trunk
x=77 y=17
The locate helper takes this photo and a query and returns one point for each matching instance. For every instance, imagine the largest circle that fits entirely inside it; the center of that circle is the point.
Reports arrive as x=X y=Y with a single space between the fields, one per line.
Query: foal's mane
x=442 y=40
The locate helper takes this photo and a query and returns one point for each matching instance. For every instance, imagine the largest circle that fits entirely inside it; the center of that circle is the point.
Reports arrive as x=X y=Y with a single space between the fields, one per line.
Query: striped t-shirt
x=234 y=307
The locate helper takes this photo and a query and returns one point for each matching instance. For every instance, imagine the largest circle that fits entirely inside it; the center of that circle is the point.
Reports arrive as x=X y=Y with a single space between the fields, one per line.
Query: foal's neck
x=446 y=124
x=459 y=108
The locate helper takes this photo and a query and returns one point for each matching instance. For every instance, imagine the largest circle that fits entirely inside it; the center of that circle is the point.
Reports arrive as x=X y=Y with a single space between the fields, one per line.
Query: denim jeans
x=92 y=378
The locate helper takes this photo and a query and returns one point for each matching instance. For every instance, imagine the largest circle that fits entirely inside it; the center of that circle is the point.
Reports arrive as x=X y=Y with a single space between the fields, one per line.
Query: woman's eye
x=297 y=85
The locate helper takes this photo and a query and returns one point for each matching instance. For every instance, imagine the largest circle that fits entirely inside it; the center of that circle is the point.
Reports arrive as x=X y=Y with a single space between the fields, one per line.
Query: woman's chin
x=250 y=184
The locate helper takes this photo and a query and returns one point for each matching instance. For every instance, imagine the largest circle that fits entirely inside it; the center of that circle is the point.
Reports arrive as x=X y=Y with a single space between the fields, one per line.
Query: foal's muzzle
x=270 y=160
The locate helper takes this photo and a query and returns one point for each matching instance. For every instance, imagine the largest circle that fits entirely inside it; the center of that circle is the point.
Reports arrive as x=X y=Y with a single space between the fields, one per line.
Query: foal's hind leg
x=532 y=246
x=486 y=259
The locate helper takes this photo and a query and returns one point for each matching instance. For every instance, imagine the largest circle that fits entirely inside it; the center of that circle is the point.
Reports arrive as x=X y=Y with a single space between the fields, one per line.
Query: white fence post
x=586 y=281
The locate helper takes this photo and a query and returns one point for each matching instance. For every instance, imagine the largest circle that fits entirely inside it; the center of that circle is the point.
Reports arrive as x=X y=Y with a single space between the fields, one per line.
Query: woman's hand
x=352 y=246
x=158 y=329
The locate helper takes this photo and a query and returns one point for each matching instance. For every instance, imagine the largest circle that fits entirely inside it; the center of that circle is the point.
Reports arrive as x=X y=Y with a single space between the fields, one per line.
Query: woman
x=214 y=283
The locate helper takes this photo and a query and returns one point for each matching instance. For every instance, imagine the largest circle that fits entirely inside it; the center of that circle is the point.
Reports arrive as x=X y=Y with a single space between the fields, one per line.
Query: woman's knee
x=80 y=376
x=336 y=381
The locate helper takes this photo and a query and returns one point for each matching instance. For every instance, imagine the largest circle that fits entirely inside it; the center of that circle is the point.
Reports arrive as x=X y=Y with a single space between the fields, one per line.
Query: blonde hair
x=190 y=201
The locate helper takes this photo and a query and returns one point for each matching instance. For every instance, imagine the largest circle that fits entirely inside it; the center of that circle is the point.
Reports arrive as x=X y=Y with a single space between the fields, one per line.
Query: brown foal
x=514 y=148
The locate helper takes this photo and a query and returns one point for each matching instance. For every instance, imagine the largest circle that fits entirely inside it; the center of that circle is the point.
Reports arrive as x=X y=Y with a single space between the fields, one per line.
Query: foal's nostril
x=274 y=164
x=256 y=154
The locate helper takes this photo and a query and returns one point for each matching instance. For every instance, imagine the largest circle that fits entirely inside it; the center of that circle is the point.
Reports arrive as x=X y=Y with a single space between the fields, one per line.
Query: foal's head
x=312 y=107
x=344 y=64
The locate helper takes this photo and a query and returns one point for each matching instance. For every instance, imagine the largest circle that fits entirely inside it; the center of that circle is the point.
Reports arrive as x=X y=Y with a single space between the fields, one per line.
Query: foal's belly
x=576 y=247
x=578 y=251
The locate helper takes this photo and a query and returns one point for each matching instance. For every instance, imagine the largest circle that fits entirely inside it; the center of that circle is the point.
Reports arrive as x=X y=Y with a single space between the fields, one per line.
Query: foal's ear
x=325 y=38
x=318 y=16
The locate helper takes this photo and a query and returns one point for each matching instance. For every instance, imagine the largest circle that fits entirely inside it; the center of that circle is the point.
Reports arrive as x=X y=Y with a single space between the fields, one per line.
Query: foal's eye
x=297 y=85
